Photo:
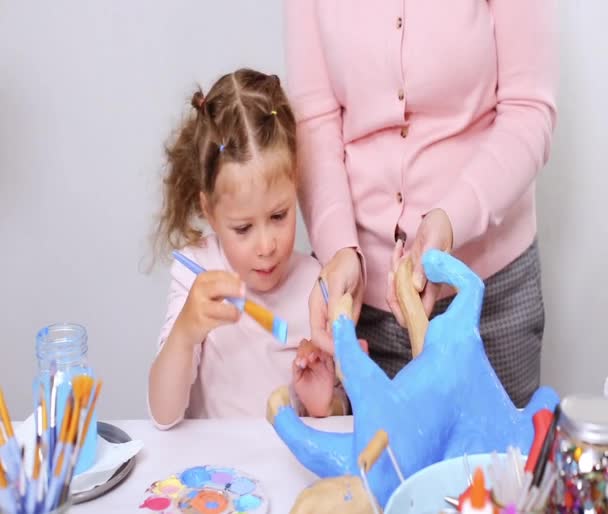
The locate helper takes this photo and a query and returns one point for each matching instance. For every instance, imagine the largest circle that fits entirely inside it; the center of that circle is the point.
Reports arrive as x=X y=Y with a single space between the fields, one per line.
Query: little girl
x=233 y=164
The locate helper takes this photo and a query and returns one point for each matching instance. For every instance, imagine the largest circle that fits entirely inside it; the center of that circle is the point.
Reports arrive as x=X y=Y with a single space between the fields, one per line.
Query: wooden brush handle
x=344 y=306
x=411 y=306
x=372 y=451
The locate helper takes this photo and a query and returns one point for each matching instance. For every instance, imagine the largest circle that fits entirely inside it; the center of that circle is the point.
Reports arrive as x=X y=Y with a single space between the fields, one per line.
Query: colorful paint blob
x=195 y=477
x=170 y=487
x=241 y=486
x=207 y=490
x=155 y=503
x=210 y=502
x=247 y=503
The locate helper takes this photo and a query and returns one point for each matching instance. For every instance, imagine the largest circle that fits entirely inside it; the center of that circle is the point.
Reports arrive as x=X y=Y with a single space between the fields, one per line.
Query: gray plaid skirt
x=512 y=325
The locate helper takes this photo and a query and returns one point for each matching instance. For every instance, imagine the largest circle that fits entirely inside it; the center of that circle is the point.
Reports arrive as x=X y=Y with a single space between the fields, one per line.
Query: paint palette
x=207 y=490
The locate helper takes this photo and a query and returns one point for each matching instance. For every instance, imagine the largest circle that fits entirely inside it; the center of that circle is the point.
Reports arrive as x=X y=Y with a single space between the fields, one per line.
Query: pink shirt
x=408 y=105
x=237 y=367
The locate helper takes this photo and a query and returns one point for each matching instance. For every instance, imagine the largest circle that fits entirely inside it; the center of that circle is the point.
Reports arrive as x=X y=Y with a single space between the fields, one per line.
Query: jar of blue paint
x=62 y=348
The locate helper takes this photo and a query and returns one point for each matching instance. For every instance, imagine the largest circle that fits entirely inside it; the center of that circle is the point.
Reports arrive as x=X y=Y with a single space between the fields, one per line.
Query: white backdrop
x=88 y=94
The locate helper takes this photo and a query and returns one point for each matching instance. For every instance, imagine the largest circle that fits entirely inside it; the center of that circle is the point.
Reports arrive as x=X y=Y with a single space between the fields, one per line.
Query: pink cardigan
x=407 y=105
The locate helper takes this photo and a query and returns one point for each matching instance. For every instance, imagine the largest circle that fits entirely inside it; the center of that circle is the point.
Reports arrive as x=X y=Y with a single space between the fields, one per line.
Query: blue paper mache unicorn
x=446 y=402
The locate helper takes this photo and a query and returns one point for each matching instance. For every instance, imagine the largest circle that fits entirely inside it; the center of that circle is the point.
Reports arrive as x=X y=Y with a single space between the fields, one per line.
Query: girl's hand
x=314 y=378
x=342 y=274
x=205 y=308
x=435 y=231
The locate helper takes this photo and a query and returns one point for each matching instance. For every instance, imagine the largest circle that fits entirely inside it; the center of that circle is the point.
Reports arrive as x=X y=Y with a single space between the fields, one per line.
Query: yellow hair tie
x=274 y=113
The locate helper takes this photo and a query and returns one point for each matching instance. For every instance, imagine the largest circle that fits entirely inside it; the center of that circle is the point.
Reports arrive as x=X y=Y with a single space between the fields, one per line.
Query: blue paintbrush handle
x=324 y=290
x=198 y=269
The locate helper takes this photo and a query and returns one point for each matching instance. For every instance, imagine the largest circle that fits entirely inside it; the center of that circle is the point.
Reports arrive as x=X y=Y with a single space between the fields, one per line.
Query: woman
x=425 y=122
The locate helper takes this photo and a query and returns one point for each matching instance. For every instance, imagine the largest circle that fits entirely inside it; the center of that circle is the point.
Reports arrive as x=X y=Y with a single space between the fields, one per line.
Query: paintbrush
x=55 y=481
x=7 y=499
x=85 y=385
x=44 y=429
x=52 y=435
x=42 y=492
x=275 y=325
x=32 y=485
x=324 y=290
x=32 y=490
x=8 y=502
x=10 y=450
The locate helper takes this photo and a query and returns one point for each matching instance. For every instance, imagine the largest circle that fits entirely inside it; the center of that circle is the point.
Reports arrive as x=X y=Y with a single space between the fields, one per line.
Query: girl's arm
x=172 y=374
x=191 y=315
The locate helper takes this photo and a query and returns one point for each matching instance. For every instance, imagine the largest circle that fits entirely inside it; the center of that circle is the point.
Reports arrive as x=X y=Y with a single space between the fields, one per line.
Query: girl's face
x=253 y=213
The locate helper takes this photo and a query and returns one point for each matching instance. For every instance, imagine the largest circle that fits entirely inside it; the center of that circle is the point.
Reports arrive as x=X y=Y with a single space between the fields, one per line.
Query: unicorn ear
x=411 y=306
x=343 y=307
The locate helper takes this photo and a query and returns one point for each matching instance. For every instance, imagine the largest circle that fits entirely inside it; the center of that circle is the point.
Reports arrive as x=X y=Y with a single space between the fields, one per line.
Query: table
x=248 y=444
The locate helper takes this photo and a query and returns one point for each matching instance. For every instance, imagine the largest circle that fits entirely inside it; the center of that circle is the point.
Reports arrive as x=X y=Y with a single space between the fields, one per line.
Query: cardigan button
x=405 y=130
x=400 y=234
x=399 y=22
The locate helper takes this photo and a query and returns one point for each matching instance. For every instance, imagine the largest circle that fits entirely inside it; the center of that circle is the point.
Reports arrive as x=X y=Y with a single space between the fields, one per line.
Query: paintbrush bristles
x=3 y=480
x=6 y=419
x=262 y=315
x=87 y=420
x=73 y=429
x=45 y=418
x=37 y=457
x=67 y=415
x=82 y=386
x=81 y=439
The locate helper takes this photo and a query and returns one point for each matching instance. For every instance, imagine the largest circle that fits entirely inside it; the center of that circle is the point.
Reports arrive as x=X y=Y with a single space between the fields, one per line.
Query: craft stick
x=372 y=451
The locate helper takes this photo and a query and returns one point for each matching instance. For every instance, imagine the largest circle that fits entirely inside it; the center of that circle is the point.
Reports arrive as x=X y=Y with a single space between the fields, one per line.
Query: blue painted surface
x=446 y=402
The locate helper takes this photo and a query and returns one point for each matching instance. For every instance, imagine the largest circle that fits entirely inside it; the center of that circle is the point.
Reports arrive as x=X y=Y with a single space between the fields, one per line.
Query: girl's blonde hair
x=244 y=113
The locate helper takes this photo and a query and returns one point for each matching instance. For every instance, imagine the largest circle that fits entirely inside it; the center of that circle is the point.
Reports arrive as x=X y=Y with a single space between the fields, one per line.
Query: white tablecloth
x=250 y=445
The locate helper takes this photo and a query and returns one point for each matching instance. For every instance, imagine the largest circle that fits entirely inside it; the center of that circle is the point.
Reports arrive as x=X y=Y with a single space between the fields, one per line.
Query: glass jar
x=62 y=347
x=581 y=456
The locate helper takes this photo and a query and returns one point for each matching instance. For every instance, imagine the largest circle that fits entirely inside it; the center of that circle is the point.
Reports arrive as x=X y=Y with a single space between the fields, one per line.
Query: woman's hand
x=435 y=231
x=342 y=274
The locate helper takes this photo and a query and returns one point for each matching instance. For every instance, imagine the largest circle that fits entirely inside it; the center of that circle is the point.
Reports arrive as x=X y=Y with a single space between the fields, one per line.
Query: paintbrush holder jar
x=61 y=350
x=581 y=456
